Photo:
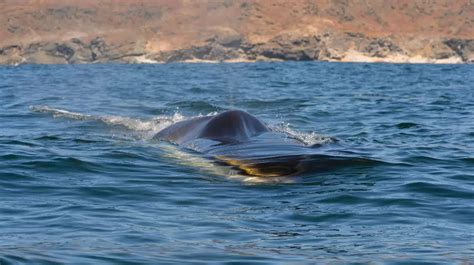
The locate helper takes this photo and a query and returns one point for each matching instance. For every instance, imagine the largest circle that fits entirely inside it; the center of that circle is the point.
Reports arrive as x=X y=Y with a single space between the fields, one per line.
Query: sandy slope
x=67 y=31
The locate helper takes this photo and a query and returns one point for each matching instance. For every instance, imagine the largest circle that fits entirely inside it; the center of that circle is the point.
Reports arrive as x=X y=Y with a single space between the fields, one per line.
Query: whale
x=241 y=141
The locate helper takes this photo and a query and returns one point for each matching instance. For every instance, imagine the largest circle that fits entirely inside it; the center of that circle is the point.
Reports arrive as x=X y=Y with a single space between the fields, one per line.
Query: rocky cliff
x=141 y=31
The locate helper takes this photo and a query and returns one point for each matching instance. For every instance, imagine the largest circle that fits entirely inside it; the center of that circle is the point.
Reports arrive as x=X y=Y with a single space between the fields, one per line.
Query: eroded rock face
x=324 y=47
x=11 y=54
x=89 y=31
x=463 y=48
x=381 y=48
x=74 y=51
x=288 y=47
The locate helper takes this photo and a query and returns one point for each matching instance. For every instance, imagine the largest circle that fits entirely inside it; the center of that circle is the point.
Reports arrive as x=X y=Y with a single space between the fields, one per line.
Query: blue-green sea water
x=83 y=182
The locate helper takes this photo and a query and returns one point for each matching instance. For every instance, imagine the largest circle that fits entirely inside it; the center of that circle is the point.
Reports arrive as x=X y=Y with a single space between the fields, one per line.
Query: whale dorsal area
x=228 y=126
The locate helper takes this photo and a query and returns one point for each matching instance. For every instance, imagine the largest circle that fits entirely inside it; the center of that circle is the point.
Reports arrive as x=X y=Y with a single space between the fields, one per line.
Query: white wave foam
x=148 y=128
x=61 y=113
x=311 y=138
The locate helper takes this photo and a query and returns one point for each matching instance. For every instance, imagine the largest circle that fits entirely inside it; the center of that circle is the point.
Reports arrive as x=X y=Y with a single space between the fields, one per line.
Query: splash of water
x=147 y=128
x=311 y=138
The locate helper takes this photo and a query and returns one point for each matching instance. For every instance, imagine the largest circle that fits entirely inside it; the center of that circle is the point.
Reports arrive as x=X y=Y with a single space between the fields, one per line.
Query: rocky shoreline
x=347 y=47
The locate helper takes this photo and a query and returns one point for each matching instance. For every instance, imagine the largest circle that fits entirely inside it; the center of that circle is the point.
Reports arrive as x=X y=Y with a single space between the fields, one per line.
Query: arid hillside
x=141 y=31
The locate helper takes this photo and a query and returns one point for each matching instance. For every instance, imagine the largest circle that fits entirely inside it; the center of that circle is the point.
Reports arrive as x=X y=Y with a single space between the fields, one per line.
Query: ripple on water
x=11 y=176
x=62 y=164
x=406 y=125
x=198 y=107
x=438 y=190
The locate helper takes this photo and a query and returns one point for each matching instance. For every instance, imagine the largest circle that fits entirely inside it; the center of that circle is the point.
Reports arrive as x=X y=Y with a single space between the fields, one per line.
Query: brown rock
x=381 y=48
x=464 y=48
x=11 y=55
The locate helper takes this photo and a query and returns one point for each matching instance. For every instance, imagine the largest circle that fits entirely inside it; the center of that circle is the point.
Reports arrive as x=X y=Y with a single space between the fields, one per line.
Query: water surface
x=82 y=181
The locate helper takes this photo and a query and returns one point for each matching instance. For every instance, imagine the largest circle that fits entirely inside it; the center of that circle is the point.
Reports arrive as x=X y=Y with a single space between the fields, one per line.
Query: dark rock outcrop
x=463 y=48
x=71 y=52
x=290 y=48
x=381 y=48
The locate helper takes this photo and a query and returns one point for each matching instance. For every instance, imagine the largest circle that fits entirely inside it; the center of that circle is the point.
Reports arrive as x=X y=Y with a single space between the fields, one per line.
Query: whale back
x=226 y=127
x=232 y=126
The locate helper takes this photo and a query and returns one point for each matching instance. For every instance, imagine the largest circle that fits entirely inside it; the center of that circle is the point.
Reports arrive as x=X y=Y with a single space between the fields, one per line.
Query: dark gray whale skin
x=238 y=139
x=227 y=127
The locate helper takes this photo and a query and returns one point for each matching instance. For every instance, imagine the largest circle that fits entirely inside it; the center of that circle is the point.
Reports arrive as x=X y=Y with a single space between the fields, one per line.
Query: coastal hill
x=142 y=31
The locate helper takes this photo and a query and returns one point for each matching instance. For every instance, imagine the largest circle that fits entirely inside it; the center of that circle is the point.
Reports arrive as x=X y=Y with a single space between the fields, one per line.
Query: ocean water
x=83 y=182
